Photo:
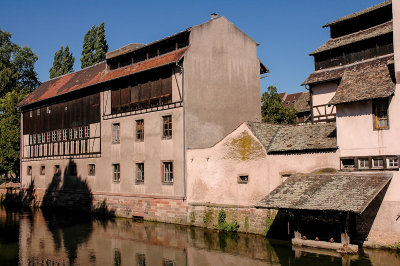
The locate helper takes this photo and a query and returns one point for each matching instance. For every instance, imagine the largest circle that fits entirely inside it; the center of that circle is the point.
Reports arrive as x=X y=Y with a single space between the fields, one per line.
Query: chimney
x=214 y=15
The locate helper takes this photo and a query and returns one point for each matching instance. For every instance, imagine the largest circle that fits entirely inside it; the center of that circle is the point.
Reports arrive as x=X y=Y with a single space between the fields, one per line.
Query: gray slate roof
x=292 y=138
x=369 y=33
x=359 y=13
x=365 y=81
x=339 y=192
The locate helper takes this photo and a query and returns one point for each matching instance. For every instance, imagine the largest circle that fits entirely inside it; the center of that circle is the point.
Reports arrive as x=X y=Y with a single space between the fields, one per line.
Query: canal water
x=46 y=238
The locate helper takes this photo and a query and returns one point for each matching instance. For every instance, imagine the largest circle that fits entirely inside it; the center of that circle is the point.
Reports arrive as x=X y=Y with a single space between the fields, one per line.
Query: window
x=34 y=138
x=57 y=170
x=168 y=172
x=167 y=126
x=54 y=135
x=30 y=114
x=42 y=170
x=115 y=133
x=92 y=169
x=75 y=133
x=363 y=163
x=48 y=136
x=65 y=134
x=38 y=111
x=81 y=132
x=116 y=172
x=141 y=259
x=381 y=118
x=243 y=179
x=140 y=130
x=167 y=262
x=377 y=162
x=347 y=163
x=30 y=139
x=140 y=172
x=29 y=170
x=87 y=131
x=71 y=134
x=72 y=170
x=39 y=138
x=43 y=137
x=393 y=162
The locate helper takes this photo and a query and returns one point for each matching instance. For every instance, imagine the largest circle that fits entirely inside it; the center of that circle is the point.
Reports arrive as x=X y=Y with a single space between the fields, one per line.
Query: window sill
x=116 y=142
x=139 y=182
x=166 y=137
x=168 y=183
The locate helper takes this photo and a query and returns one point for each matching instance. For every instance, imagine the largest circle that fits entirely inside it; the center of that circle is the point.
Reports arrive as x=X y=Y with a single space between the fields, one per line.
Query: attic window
x=293 y=101
x=287 y=102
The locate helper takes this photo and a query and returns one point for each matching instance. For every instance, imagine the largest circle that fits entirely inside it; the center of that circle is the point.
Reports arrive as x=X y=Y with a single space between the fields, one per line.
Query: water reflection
x=46 y=238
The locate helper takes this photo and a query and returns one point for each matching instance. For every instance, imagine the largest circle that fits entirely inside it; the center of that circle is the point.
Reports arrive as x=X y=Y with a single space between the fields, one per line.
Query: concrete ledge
x=322 y=244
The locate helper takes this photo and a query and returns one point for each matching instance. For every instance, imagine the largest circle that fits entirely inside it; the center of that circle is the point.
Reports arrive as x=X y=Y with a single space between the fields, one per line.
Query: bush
x=223 y=225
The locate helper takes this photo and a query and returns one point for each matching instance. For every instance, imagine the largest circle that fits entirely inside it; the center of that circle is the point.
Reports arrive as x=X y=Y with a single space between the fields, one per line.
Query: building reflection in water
x=65 y=239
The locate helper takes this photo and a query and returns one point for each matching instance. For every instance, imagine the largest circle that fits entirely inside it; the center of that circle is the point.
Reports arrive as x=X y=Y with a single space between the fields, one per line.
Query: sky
x=286 y=30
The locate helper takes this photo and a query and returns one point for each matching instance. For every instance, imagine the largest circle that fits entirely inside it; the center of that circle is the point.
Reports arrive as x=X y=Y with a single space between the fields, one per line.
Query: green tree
x=63 y=63
x=272 y=109
x=94 y=47
x=16 y=66
x=101 y=45
x=10 y=131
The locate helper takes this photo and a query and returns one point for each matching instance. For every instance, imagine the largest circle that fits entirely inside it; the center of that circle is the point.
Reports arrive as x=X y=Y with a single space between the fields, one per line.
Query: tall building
x=118 y=131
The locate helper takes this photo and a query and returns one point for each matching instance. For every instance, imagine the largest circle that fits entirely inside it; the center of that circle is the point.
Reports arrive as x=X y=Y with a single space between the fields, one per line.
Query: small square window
x=140 y=130
x=168 y=172
x=140 y=172
x=42 y=170
x=116 y=173
x=57 y=170
x=347 y=163
x=71 y=133
x=167 y=126
x=54 y=135
x=72 y=170
x=243 y=179
x=392 y=162
x=377 y=163
x=29 y=170
x=92 y=169
x=363 y=163
x=81 y=132
x=167 y=262
x=75 y=133
x=115 y=133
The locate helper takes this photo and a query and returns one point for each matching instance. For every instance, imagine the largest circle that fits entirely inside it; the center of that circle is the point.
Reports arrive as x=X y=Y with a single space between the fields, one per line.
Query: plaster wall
x=213 y=172
x=321 y=95
x=222 y=82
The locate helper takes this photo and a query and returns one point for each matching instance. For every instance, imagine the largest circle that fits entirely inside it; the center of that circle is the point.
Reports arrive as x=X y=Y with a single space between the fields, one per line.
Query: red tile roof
x=95 y=75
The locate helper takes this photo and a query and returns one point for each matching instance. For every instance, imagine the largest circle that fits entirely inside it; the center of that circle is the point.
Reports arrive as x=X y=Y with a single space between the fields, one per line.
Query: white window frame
x=65 y=134
x=375 y=160
x=54 y=135
x=392 y=162
x=116 y=131
x=87 y=131
x=362 y=164
x=168 y=172
x=140 y=172
x=80 y=132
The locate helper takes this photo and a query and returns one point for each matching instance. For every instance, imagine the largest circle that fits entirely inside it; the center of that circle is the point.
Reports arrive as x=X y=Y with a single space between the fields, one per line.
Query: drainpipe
x=184 y=131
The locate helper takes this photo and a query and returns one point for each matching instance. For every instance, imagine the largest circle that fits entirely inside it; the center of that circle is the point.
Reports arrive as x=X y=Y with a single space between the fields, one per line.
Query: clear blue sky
x=287 y=31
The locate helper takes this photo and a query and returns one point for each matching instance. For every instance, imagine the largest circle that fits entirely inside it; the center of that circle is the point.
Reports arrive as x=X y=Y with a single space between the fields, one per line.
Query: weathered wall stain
x=243 y=148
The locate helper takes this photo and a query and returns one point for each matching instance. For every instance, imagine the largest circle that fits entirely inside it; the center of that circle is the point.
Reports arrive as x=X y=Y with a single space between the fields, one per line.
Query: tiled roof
x=338 y=192
x=369 y=33
x=359 y=13
x=303 y=102
x=325 y=75
x=366 y=81
x=95 y=75
x=290 y=138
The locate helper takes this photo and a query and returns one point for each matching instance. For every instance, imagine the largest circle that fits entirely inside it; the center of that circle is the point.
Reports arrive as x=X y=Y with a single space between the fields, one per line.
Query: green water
x=46 y=238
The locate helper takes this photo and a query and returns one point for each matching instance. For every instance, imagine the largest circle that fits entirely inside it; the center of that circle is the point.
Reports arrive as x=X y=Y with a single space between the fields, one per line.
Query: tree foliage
x=63 y=63
x=10 y=131
x=94 y=47
x=16 y=66
x=272 y=109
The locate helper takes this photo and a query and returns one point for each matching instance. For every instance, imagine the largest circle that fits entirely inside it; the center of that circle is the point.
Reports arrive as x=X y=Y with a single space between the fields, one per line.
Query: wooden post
x=345 y=239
